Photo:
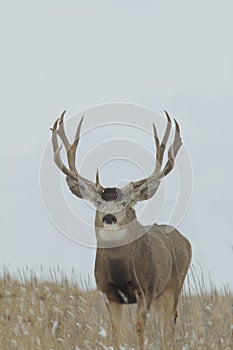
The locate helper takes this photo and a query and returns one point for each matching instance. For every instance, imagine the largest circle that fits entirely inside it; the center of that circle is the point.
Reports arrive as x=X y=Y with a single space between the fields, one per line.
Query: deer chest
x=119 y=271
x=120 y=280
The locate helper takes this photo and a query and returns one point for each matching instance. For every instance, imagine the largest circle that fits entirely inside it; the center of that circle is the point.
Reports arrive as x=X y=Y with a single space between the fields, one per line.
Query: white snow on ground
x=103 y=332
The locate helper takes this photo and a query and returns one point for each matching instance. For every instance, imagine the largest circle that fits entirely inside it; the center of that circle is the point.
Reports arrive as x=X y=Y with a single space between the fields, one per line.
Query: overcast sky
x=174 y=55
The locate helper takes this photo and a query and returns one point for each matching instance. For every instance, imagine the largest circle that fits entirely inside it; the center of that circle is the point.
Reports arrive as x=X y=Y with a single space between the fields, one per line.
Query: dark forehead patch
x=111 y=194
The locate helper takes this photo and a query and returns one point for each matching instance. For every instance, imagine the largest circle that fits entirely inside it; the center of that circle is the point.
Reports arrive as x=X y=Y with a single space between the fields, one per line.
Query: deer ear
x=82 y=189
x=145 y=191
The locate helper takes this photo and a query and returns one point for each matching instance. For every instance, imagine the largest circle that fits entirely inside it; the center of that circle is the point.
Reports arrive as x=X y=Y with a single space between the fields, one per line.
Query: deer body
x=148 y=265
x=134 y=263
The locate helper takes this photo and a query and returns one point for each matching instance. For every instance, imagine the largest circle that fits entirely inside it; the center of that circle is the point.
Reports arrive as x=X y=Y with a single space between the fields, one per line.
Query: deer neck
x=118 y=235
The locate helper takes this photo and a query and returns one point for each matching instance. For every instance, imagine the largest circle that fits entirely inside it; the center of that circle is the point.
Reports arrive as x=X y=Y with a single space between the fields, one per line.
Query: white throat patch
x=113 y=233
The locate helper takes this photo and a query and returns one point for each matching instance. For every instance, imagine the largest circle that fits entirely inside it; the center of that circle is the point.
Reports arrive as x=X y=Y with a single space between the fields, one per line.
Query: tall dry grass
x=57 y=314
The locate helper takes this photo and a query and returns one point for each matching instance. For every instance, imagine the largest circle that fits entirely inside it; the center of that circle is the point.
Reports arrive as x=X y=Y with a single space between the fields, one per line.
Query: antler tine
x=156 y=138
x=160 y=147
x=56 y=151
x=97 y=181
x=72 y=150
x=168 y=129
x=77 y=134
x=178 y=140
x=54 y=135
x=173 y=150
x=61 y=132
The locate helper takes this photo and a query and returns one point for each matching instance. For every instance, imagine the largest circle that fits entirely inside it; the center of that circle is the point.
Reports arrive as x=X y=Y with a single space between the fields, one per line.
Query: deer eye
x=124 y=204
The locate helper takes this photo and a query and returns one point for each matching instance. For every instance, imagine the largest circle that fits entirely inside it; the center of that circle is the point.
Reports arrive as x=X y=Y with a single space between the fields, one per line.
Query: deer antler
x=79 y=185
x=142 y=189
x=146 y=188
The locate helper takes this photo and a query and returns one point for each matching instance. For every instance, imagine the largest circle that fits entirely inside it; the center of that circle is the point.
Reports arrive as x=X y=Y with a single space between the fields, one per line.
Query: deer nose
x=109 y=219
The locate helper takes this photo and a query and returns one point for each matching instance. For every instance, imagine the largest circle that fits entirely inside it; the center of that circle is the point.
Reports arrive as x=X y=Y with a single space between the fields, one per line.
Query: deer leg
x=142 y=311
x=171 y=299
x=165 y=308
x=115 y=313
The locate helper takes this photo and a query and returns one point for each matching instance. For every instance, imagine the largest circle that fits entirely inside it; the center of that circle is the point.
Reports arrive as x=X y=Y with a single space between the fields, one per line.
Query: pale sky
x=173 y=55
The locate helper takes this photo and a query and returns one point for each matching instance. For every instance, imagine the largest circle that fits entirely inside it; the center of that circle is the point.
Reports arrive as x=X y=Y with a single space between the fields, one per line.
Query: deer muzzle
x=109 y=219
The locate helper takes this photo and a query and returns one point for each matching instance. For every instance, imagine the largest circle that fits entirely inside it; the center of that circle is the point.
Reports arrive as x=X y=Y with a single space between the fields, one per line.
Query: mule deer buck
x=134 y=263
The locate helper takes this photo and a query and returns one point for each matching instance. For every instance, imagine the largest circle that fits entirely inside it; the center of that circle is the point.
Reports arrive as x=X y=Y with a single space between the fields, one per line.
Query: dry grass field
x=52 y=315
